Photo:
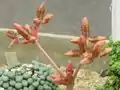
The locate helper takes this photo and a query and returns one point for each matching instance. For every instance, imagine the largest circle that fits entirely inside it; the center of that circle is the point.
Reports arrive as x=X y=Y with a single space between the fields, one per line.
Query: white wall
x=116 y=19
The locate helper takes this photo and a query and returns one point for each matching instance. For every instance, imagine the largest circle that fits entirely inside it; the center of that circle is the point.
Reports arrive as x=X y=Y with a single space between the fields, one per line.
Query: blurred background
x=66 y=21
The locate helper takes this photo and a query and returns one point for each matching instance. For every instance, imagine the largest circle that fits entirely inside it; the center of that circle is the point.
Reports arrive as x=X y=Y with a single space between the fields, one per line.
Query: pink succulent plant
x=89 y=47
x=29 y=33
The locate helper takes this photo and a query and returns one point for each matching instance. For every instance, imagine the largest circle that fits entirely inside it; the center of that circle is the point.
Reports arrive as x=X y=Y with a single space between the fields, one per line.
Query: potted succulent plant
x=89 y=47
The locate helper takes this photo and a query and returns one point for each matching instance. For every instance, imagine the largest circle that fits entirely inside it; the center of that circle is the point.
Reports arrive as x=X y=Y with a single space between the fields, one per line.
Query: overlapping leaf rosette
x=35 y=76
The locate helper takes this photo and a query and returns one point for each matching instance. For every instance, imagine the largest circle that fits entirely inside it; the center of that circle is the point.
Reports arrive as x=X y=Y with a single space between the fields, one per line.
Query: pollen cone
x=73 y=53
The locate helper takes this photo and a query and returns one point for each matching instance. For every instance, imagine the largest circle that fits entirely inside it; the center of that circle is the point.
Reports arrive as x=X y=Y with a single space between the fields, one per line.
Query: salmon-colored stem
x=70 y=87
x=12 y=43
x=77 y=70
x=50 y=59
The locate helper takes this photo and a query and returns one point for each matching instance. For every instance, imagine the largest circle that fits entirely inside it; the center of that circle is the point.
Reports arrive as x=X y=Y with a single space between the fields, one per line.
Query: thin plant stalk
x=50 y=59
x=12 y=43
x=77 y=70
x=70 y=87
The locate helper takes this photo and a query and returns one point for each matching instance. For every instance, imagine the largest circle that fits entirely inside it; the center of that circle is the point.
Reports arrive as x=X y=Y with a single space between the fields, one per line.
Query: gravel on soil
x=86 y=80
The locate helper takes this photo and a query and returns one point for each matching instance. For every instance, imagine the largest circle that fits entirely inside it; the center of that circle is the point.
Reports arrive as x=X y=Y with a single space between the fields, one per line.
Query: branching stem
x=50 y=59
